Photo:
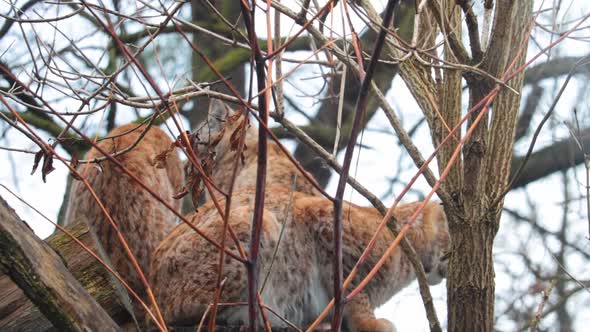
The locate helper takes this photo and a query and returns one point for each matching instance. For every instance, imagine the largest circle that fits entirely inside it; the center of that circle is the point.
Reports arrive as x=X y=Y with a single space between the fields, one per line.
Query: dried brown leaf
x=183 y=192
x=160 y=160
x=47 y=166
x=38 y=157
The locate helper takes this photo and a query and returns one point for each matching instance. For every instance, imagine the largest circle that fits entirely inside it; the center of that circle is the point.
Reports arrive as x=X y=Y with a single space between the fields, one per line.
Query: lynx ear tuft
x=218 y=110
x=217 y=115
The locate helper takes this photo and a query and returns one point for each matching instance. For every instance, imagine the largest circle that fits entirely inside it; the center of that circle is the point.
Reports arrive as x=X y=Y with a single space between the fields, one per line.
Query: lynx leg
x=360 y=316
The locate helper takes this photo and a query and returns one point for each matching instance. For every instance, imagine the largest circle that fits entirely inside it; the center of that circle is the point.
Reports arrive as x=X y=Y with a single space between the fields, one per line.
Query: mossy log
x=18 y=313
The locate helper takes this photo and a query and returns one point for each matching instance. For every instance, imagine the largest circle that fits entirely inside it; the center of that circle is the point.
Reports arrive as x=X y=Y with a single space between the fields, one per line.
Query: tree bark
x=475 y=214
x=471 y=287
x=17 y=311
x=470 y=280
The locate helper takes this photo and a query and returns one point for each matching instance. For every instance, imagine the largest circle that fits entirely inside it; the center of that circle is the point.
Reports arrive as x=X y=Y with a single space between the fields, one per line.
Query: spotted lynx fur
x=184 y=267
x=142 y=220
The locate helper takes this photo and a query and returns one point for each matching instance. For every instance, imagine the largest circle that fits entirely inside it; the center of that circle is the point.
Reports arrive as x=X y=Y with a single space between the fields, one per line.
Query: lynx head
x=439 y=272
x=215 y=138
x=435 y=258
x=210 y=133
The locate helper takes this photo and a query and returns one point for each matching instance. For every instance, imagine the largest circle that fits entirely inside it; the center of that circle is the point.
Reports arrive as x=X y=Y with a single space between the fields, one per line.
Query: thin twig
x=360 y=109
x=287 y=214
x=544 y=300
x=263 y=99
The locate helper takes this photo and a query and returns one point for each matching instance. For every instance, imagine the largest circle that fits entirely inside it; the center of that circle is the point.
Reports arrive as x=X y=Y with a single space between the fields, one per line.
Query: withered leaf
x=47 y=166
x=236 y=116
x=160 y=159
x=38 y=157
x=183 y=192
x=213 y=141
x=236 y=137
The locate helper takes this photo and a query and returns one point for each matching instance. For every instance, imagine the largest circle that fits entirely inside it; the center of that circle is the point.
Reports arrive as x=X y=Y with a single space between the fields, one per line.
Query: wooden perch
x=59 y=299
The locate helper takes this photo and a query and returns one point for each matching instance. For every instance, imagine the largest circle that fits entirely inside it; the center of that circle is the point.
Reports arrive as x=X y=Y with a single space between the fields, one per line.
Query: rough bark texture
x=450 y=106
x=471 y=287
x=474 y=217
x=18 y=313
x=42 y=276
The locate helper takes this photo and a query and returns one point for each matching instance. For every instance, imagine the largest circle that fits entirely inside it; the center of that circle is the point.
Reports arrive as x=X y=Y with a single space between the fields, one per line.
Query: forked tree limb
x=44 y=279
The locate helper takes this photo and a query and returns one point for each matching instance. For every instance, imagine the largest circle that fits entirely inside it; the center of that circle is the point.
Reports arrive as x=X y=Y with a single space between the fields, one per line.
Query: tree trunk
x=470 y=283
x=474 y=216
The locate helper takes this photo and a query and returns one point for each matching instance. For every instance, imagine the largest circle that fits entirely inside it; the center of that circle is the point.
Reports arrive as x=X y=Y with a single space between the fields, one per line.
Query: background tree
x=92 y=66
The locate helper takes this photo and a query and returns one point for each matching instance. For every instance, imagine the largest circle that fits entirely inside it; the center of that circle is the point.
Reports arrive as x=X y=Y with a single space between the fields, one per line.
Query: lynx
x=299 y=285
x=141 y=219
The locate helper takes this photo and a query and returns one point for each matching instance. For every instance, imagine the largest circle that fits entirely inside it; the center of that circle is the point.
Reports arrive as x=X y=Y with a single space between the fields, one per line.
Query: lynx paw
x=374 y=325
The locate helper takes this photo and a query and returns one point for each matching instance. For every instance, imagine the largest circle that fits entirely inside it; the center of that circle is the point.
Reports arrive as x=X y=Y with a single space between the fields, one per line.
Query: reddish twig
x=228 y=201
x=250 y=107
x=360 y=110
x=252 y=264
x=487 y=100
x=133 y=177
x=184 y=138
x=271 y=54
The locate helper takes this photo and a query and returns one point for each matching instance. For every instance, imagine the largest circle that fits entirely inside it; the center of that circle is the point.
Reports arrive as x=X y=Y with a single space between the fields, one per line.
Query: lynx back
x=141 y=219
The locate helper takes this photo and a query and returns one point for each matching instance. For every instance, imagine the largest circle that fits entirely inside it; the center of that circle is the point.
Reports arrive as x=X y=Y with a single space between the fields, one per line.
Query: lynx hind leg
x=360 y=317
x=185 y=268
x=184 y=273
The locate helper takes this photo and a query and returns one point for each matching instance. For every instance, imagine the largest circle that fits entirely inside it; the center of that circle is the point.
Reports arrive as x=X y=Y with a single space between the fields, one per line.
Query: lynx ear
x=217 y=114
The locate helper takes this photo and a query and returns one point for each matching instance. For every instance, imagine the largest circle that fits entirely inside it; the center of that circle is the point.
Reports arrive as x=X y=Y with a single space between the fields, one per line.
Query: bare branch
x=551 y=159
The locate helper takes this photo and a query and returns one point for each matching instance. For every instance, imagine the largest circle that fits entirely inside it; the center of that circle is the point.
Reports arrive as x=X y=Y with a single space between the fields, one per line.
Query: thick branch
x=551 y=159
x=42 y=276
x=17 y=313
x=554 y=68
